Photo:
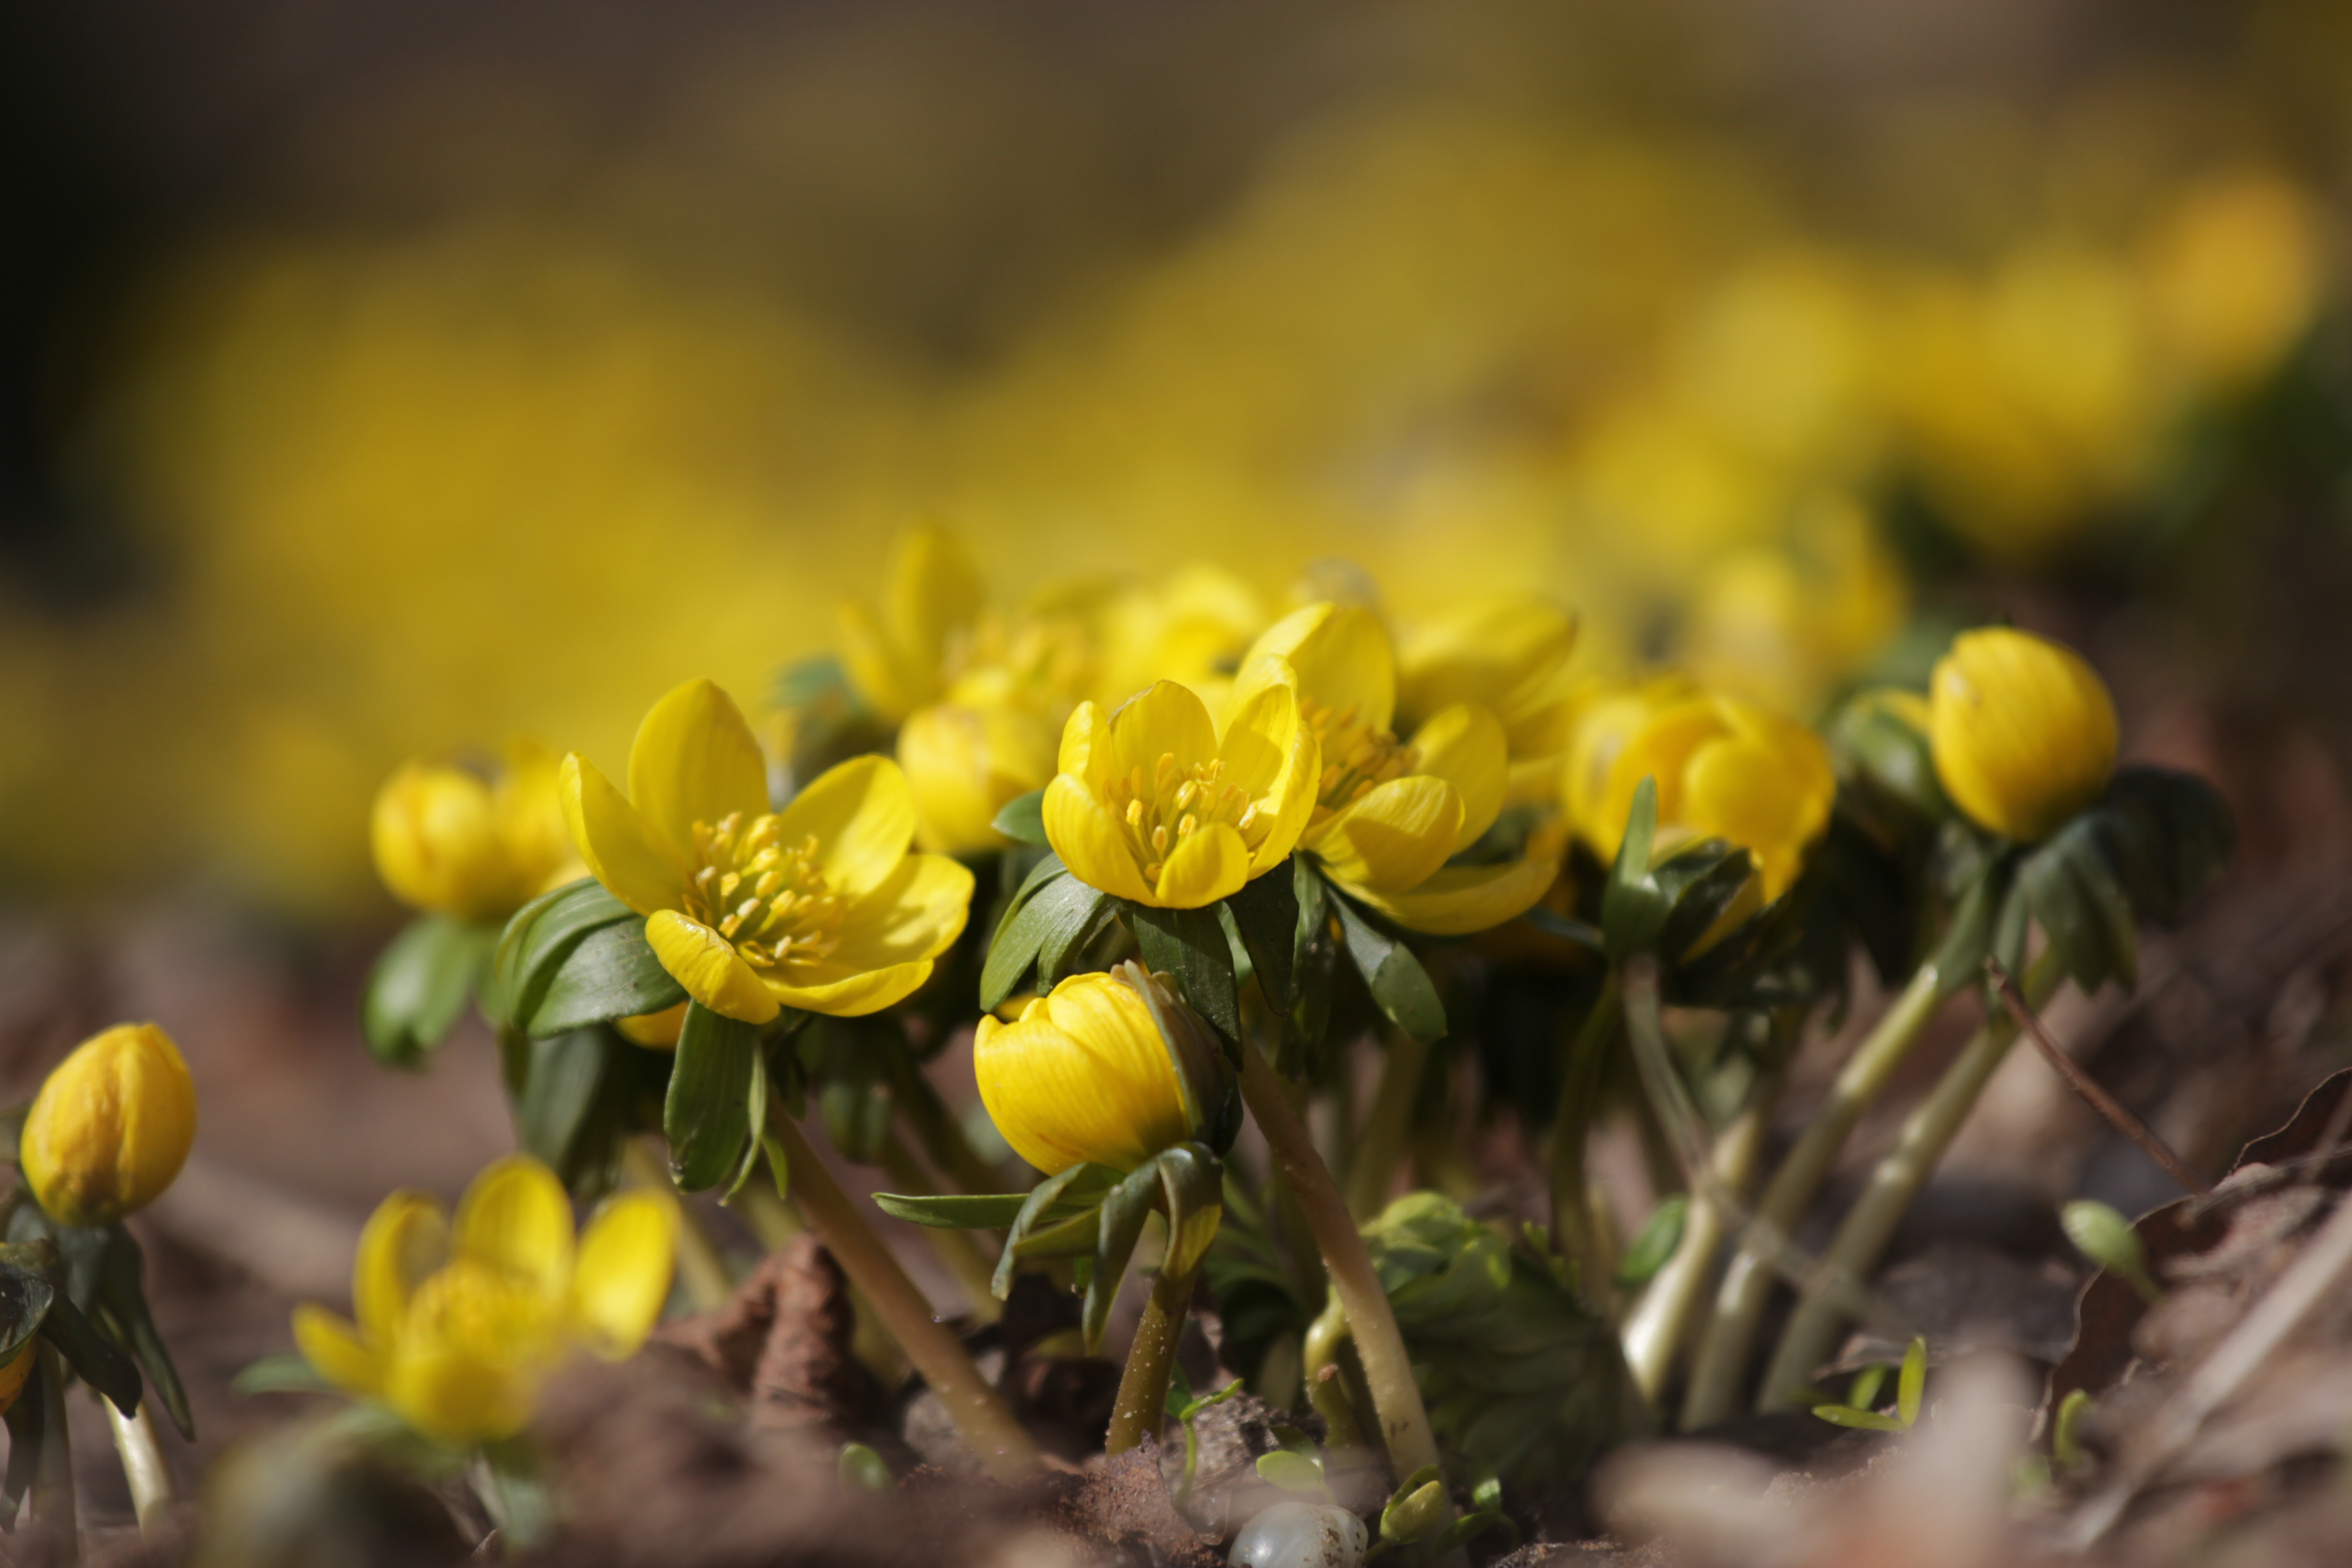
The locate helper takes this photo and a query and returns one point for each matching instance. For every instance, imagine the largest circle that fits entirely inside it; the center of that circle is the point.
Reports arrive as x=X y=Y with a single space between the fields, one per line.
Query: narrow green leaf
x=122 y=1306
x=1400 y=986
x=862 y=1469
x=92 y=1355
x=611 y=972
x=706 y=1115
x=1023 y=819
x=420 y=985
x=1189 y=944
x=558 y=1092
x=1661 y=1234
x=1314 y=953
x=286 y=1373
x=1265 y=912
x=1067 y=937
x=1074 y=1191
x=1866 y=1420
x=1046 y=908
x=1911 y=1388
x=536 y=941
x=1293 y=1473
x=986 y=1211
x=1123 y=1213
x=1863 y=1393
x=755 y=1105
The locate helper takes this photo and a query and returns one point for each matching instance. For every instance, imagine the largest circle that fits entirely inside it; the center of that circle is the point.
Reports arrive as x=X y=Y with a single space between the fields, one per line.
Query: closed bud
x=111 y=1128
x=2023 y=729
x=456 y=840
x=963 y=764
x=1108 y=1069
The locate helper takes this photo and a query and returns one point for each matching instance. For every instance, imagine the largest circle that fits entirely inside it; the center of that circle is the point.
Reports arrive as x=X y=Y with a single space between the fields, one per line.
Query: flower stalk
x=1573 y=1230
x=958 y=1253
x=980 y=1414
x=1372 y=1164
x=144 y=1469
x=1141 y=1408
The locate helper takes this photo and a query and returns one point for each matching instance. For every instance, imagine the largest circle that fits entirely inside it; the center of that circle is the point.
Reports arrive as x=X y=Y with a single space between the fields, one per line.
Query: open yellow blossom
x=936 y=638
x=2023 y=731
x=111 y=1128
x=1510 y=656
x=456 y=840
x=1388 y=815
x=820 y=906
x=1153 y=805
x=1106 y=1068
x=963 y=764
x=460 y=1325
x=1189 y=626
x=1725 y=769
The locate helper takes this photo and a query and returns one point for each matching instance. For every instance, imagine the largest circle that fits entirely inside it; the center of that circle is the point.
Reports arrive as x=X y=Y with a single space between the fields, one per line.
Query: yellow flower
x=1106 y=1068
x=452 y=840
x=111 y=1128
x=1152 y=805
x=460 y=1325
x=1507 y=656
x=1725 y=768
x=819 y=907
x=2023 y=731
x=963 y=764
x=1191 y=627
x=2235 y=275
x=1388 y=816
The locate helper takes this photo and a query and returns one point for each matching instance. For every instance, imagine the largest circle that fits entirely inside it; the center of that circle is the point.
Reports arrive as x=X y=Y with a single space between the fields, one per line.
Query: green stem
x=1747 y=1279
x=144 y=1468
x=1374 y=1169
x=1572 y=1124
x=974 y=1273
x=1825 y=1304
x=1140 y=1410
x=50 y=1498
x=1404 y=1426
x=1656 y=1327
x=709 y=1283
x=979 y=1414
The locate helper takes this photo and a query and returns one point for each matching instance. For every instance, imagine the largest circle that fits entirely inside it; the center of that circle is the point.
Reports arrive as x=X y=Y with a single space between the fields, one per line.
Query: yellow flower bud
x=2023 y=731
x=1105 y=1069
x=475 y=845
x=964 y=764
x=111 y=1128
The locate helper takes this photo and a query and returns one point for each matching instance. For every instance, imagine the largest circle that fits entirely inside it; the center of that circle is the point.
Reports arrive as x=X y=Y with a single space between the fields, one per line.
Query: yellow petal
x=626 y=1254
x=1341 y=655
x=1773 y=800
x=452 y=1392
x=710 y=968
x=881 y=673
x=935 y=588
x=1206 y=865
x=1087 y=733
x=2022 y=730
x=1060 y=1097
x=915 y=913
x=1165 y=720
x=516 y=1217
x=405 y=1240
x=1465 y=746
x=1272 y=754
x=655 y=1031
x=1660 y=749
x=964 y=765
x=1393 y=838
x=1091 y=842
x=1501 y=655
x=337 y=1352
x=853 y=995
x=1459 y=899
x=863 y=815
x=620 y=850
x=695 y=759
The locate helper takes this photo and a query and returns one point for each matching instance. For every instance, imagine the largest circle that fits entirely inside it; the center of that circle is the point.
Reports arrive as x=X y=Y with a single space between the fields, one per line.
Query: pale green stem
x=1404 y=1428
x=1825 y=1304
x=1656 y=1327
x=1387 y=1129
x=142 y=1461
x=1140 y=1410
x=974 y=1273
x=709 y=1283
x=1572 y=1225
x=1327 y=1391
x=1747 y=1284
x=979 y=1413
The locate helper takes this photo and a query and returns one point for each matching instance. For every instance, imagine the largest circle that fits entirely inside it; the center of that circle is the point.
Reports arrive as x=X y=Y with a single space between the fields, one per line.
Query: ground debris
x=1124 y=1502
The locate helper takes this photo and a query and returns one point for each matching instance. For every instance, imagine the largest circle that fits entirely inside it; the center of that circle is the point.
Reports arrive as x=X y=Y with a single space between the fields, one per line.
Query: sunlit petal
x=623 y=1278
x=619 y=848
x=915 y=913
x=852 y=995
x=1208 y=865
x=1459 y=899
x=1343 y=657
x=695 y=759
x=708 y=966
x=405 y=1240
x=1465 y=746
x=516 y=1217
x=863 y=816
x=1091 y=842
x=1394 y=837
x=336 y=1352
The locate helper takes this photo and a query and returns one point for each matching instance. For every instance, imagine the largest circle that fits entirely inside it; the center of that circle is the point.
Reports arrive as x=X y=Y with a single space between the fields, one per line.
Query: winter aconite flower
x=819 y=907
x=1507 y=656
x=1388 y=815
x=2023 y=729
x=111 y=1128
x=935 y=637
x=1108 y=1069
x=1725 y=768
x=964 y=764
x=471 y=843
x=1153 y=805
x=460 y=1325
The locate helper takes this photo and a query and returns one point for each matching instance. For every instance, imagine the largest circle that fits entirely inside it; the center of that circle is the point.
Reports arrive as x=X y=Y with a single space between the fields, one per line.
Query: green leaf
x=1077 y=1190
x=1314 y=953
x=1124 y=1210
x=1265 y=912
x=420 y=985
x=1976 y=920
x=707 y=1116
x=1069 y=936
x=1293 y=1473
x=611 y=972
x=536 y=941
x=1023 y=819
x=1661 y=1234
x=1863 y=1393
x=1401 y=987
x=286 y=1373
x=1868 y=1420
x=121 y=1301
x=1050 y=901
x=25 y=1297
x=1190 y=945
x=559 y=1091
x=2067 y=1431
x=518 y=1496
x=92 y=1355
x=1419 y=1505
x=862 y=1469
x=988 y=1211
x=1911 y=1388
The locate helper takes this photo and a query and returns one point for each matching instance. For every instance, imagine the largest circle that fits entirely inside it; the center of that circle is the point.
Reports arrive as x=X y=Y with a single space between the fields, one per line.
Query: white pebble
x=1301 y=1535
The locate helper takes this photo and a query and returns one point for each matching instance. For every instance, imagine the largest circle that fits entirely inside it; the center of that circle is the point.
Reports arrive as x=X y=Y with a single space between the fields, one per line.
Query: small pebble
x=1301 y=1535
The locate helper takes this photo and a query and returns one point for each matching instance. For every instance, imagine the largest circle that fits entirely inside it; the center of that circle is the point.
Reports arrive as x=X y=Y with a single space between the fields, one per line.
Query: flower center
x=768 y=898
x=1356 y=757
x=1168 y=804
x=1034 y=661
x=499 y=1316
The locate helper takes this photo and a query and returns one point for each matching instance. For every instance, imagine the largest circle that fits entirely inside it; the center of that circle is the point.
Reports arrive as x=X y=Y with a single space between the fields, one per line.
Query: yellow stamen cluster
x=769 y=899
x=1023 y=659
x=1356 y=757
x=1170 y=803
x=501 y=1315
